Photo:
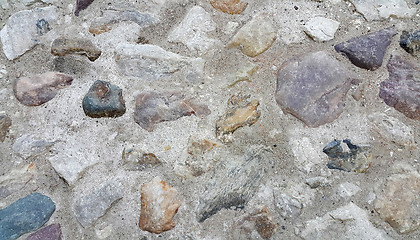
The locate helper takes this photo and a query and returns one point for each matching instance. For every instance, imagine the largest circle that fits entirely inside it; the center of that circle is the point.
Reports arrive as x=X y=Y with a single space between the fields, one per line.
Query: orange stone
x=229 y=6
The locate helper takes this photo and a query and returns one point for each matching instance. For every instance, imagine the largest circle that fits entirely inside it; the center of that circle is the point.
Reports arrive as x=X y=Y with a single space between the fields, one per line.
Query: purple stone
x=82 y=5
x=51 y=232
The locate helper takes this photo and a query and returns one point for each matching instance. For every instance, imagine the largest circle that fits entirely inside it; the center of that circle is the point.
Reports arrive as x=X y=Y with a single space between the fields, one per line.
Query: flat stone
x=25 y=215
x=39 y=89
x=317 y=182
x=357 y=159
x=15 y=180
x=347 y=189
x=151 y=62
x=65 y=46
x=82 y=5
x=313 y=87
x=31 y=2
x=28 y=146
x=255 y=37
x=24 y=30
x=193 y=31
x=287 y=206
x=159 y=204
x=95 y=203
x=410 y=42
x=103 y=100
x=367 y=51
x=5 y=123
x=321 y=29
x=110 y=18
x=349 y=221
x=383 y=9
x=240 y=112
x=402 y=90
x=135 y=159
x=260 y=221
x=153 y=107
x=399 y=204
x=392 y=129
x=50 y=232
x=229 y=6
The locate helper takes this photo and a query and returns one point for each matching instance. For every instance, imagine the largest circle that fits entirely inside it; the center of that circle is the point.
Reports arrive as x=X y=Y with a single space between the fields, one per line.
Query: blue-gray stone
x=25 y=215
x=410 y=42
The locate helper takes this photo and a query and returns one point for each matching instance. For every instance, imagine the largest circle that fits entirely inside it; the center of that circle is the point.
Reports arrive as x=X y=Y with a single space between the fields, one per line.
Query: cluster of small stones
x=114 y=122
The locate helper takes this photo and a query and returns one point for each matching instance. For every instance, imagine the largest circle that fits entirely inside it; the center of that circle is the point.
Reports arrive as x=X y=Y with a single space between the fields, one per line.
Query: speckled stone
x=410 y=42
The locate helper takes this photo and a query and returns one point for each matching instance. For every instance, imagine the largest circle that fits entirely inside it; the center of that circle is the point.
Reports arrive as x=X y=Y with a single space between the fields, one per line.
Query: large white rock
x=382 y=9
x=25 y=29
x=321 y=29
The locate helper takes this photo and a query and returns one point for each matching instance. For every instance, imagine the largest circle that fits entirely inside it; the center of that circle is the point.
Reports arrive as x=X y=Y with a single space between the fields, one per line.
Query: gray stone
x=321 y=29
x=15 y=180
x=287 y=206
x=410 y=42
x=134 y=160
x=65 y=46
x=152 y=108
x=5 y=123
x=25 y=215
x=313 y=87
x=23 y=30
x=28 y=146
x=383 y=9
x=317 y=182
x=51 y=232
x=402 y=90
x=367 y=51
x=347 y=189
x=103 y=100
x=94 y=204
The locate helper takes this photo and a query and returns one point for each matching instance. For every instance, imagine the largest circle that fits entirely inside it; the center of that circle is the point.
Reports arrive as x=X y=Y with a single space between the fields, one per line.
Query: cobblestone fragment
x=84 y=47
x=229 y=6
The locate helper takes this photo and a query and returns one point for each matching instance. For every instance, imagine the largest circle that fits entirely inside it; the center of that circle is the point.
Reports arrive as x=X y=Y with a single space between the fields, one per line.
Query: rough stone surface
x=28 y=146
x=5 y=123
x=38 y=89
x=367 y=51
x=193 y=31
x=260 y=221
x=134 y=160
x=82 y=5
x=94 y=204
x=321 y=29
x=383 y=9
x=153 y=108
x=51 y=232
x=310 y=92
x=25 y=215
x=25 y=29
x=287 y=206
x=229 y=6
x=16 y=180
x=357 y=159
x=255 y=37
x=317 y=182
x=65 y=46
x=103 y=100
x=159 y=204
x=399 y=204
x=240 y=112
x=402 y=90
x=410 y=42
x=347 y=189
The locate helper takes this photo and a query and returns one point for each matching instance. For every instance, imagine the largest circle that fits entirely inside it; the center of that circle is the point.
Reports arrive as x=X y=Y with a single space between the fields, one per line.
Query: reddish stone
x=229 y=6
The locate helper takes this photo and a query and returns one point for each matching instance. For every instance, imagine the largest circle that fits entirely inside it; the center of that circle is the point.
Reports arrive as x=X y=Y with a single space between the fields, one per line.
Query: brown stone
x=260 y=220
x=84 y=47
x=229 y=6
x=5 y=123
x=159 y=204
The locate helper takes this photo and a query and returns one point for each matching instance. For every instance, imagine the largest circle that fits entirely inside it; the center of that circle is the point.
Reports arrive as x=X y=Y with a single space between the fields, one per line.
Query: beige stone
x=229 y=6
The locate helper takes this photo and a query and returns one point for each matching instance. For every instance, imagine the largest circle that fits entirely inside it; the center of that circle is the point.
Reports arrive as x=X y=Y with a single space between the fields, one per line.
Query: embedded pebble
x=65 y=46
x=16 y=179
x=229 y=6
x=260 y=221
x=410 y=42
x=51 y=232
x=134 y=159
x=82 y=5
x=380 y=9
x=317 y=182
x=321 y=29
x=288 y=207
x=5 y=123
x=28 y=146
x=347 y=189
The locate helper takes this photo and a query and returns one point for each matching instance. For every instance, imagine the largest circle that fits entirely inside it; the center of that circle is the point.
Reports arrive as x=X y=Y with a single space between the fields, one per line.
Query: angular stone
x=159 y=204
x=410 y=42
x=383 y=9
x=109 y=18
x=240 y=112
x=82 y=5
x=151 y=62
x=95 y=203
x=367 y=51
x=358 y=159
x=103 y=100
x=244 y=74
x=16 y=180
x=25 y=215
x=134 y=160
x=39 y=89
x=402 y=90
x=24 y=30
x=65 y=46
x=392 y=129
x=400 y=204
x=28 y=146
x=287 y=206
x=349 y=221
x=313 y=87
x=260 y=221
x=193 y=31
x=229 y=6
x=5 y=123
x=321 y=29
x=241 y=178
x=51 y=232
x=152 y=108
x=255 y=37
x=347 y=189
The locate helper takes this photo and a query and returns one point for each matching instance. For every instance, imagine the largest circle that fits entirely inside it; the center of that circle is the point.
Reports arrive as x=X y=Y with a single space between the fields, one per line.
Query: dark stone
x=153 y=108
x=25 y=215
x=410 y=42
x=104 y=100
x=42 y=27
x=5 y=123
x=358 y=159
x=51 y=232
x=63 y=46
x=313 y=87
x=402 y=90
x=82 y=5
x=367 y=51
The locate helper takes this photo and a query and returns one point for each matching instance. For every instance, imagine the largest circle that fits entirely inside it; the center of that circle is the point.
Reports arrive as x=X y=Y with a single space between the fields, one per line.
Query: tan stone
x=260 y=221
x=84 y=47
x=159 y=204
x=229 y=6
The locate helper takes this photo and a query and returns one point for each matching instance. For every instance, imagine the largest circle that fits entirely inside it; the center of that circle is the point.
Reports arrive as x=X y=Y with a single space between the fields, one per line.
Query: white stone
x=192 y=31
x=347 y=190
x=4 y=4
x=382 y=9
x=230 y=27
x=321 y=29
x=21 y=33
x=30 y=2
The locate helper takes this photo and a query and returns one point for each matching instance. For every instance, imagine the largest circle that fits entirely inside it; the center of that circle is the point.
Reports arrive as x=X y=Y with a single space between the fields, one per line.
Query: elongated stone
x=25 y=215
x=367 y=51
x=410 y=42
x=392 y=129
x=82 y=5
x=5 y=123
x=229 y=6
x=134 y=159
x=51 y=232
x=27 y=146
x=84 y=47
x=383 y=9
